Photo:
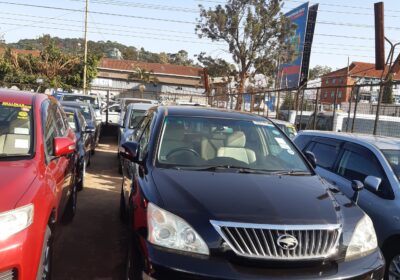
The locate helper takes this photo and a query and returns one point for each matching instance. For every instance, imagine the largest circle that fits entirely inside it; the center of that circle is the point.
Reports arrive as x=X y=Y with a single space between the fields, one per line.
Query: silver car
x=134 y=114
x=345 y=159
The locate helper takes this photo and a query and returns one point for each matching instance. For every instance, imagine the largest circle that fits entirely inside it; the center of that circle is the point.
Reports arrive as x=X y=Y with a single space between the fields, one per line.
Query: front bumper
x=20 y=254
x=165 y=264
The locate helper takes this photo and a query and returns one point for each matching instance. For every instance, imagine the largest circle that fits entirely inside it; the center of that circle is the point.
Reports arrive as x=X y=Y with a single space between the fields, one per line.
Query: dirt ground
x=93 y=246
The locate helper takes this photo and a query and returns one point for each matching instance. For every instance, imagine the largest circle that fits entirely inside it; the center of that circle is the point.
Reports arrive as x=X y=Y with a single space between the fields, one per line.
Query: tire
x=392 y=257
x=81 y=183
x=44 y=270
x=133 y=267
x=70 y=209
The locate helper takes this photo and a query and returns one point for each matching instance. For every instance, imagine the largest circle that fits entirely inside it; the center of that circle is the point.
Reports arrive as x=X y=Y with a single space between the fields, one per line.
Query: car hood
x=246 y=198
x=16 y=178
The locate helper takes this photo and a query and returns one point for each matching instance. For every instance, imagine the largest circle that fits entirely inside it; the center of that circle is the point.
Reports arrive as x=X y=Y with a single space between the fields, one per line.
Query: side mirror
x=311 y=158
x=90 y=129
x=372 y=182
x=357 y=186
x=130 y=151
x=63 y=146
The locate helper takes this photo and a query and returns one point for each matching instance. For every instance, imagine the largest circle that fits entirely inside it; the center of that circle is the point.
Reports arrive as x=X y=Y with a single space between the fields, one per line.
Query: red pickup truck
x=37 y=182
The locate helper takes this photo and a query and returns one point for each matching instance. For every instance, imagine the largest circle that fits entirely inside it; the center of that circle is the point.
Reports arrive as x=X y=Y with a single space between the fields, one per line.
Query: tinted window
x=145 y=136
x=355 y=166
x=325 y=154
x=393 y=157
x=302 y=141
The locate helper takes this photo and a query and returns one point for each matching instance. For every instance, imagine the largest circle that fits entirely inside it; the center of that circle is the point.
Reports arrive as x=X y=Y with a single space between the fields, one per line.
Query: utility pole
x=86 y=49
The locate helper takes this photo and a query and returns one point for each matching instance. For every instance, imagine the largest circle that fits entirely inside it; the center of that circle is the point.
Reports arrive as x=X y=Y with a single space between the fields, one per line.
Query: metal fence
x=341 y=108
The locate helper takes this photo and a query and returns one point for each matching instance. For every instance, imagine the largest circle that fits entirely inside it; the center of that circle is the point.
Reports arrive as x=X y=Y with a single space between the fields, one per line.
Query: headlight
x=15 y=221
x=363 y=240
x=168 y=230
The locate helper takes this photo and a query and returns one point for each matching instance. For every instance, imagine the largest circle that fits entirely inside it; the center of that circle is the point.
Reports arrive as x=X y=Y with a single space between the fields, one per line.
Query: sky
x=344 y=28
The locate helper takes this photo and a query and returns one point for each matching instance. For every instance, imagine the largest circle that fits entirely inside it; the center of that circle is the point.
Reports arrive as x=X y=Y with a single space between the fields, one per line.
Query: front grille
x=280 y=242
x=8 y=275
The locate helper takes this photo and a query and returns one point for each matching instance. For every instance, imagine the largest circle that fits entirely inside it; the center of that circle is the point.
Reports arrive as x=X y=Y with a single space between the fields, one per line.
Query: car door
x=326 y=151
x=129 y=169
x=356 y=163
x=55 y=167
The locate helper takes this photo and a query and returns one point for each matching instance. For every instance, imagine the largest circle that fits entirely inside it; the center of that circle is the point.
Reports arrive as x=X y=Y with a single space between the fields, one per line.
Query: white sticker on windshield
x=284 y=145
x=21 y=130
x=21 y=143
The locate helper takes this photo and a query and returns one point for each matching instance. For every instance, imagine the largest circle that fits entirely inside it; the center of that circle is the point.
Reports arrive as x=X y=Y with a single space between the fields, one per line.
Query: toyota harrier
x=226 y=195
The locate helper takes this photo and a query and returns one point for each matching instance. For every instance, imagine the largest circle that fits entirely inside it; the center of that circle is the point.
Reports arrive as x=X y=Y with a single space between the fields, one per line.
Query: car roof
x=23 y=97
x=80 y=95
x=140 y=106
x=75 y=104
x=380 y=142
x=197 y=111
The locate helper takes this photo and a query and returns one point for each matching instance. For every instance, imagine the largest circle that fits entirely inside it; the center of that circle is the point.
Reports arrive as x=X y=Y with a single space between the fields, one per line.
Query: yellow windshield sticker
x=23 y=114
x=16 y=105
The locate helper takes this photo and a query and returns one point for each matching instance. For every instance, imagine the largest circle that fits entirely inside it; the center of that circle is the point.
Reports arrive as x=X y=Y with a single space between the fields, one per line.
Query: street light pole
x=86 y=50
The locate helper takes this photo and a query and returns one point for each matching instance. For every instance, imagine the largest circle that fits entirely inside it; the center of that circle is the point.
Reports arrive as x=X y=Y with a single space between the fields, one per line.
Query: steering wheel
x=182 y=149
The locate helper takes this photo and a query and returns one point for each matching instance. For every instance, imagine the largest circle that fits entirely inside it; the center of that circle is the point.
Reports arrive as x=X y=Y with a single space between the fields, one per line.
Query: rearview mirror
x=130 y=151
x=311 y=158
x=372 y=182
x=63 y=146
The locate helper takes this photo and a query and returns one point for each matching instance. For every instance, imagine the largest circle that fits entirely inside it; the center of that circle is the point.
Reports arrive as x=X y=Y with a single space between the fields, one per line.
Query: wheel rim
x=394 y=268
x=46 y=261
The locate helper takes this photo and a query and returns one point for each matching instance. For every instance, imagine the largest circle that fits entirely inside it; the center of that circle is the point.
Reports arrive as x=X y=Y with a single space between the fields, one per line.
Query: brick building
x=357 y=72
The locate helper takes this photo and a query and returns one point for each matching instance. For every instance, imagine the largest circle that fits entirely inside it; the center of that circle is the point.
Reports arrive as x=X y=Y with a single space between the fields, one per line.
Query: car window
x=71 y=120
x=393 y=157
x=87 y=99
x=60 y=123
x=302 y=141
x=16 y=131
x=325 y=154
x=145 y=136
x=135 y=118
x=49 y=128
x=201 y=142
x=86 y=112
x=356 y=166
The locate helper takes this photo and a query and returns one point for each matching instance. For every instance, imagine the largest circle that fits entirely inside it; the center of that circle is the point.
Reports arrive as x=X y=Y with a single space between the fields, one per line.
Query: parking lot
x=93 y=246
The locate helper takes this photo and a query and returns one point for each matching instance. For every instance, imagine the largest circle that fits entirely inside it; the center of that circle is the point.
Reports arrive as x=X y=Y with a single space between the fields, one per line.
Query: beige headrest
x=236 y=139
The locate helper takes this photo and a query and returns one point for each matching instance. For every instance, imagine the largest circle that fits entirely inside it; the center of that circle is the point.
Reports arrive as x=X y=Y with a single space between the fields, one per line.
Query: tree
x=145 y=77
x=318 y=71
x=216 y=67
x=387 y=97
x=256 y=32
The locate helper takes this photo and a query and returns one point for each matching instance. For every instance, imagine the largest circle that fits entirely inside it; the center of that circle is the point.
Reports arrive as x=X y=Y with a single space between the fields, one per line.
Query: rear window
x=86 y=99
x=15 y=129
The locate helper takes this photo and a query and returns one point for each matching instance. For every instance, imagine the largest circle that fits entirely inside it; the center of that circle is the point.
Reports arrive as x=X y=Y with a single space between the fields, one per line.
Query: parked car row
x=212 y=194
x=44 y=151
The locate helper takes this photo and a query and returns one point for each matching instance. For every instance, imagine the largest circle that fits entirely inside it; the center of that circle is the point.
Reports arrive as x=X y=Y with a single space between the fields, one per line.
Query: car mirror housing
x=372 y=182
x=63 y=146
x=130 y=151
x=311 y=158
x=357 y=185
x=90 y=129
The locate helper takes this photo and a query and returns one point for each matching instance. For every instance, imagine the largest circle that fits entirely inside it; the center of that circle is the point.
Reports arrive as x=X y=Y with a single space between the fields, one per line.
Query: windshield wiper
x=237 y=169
x=291 y=172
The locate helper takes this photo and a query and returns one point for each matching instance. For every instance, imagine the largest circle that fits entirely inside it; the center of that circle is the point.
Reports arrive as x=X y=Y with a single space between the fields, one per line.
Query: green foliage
x=216 y=67
x=387 y=97
x=288 y=102
x=51 y=69
x=256 y=32
x=102 y=48
x=318 y=71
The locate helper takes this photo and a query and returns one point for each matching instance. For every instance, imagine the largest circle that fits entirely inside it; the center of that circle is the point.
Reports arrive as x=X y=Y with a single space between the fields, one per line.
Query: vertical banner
x=289 y=73
x=295 y=72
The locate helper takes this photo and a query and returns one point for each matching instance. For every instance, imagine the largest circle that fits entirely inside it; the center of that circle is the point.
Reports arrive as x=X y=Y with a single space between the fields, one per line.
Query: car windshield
x=289 y=130
x=71 y=120
x=78 y=98
x=136 y=117
x=15 y=129
x=207 y=143
x=393 y=157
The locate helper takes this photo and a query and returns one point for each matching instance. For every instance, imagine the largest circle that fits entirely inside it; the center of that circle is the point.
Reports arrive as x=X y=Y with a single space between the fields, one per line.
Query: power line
x=95 y=12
